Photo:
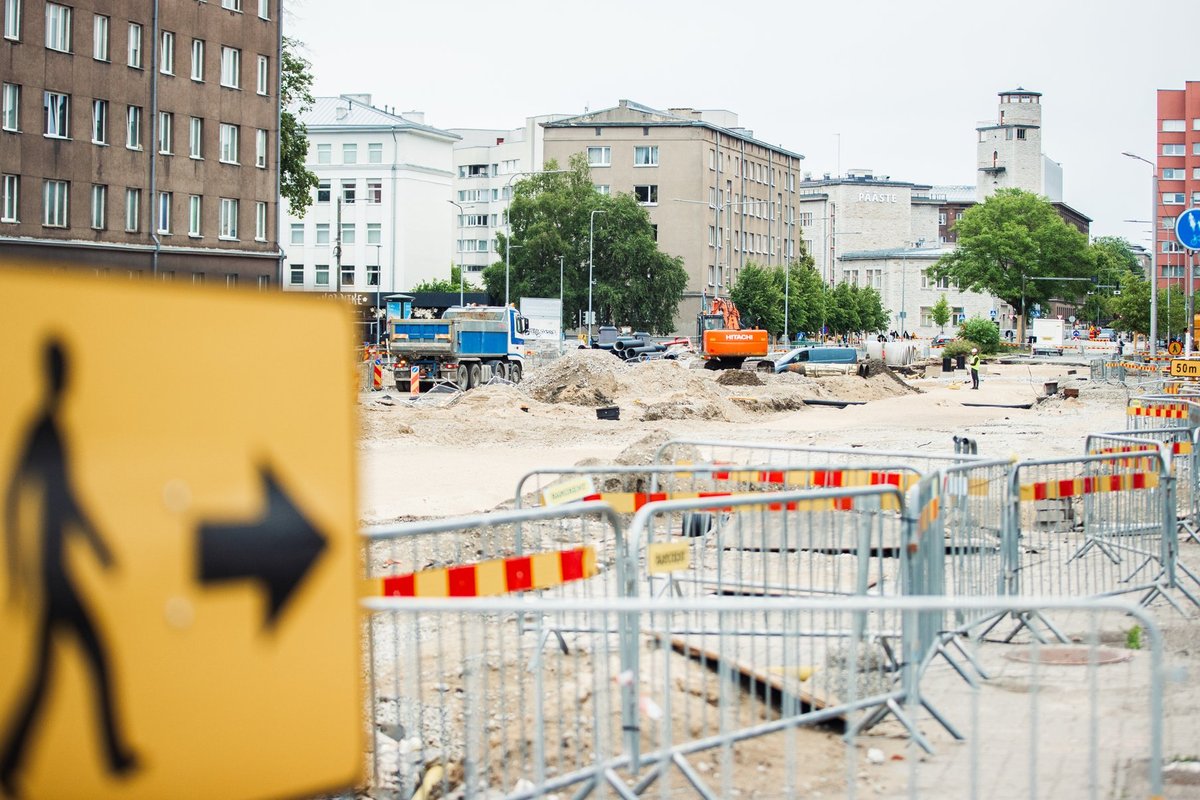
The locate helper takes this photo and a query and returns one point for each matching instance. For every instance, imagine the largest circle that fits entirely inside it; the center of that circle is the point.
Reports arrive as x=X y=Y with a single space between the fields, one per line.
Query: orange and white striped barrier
x=495 y=577
x=1096 y=484
x=377 y=375
x=414 y=380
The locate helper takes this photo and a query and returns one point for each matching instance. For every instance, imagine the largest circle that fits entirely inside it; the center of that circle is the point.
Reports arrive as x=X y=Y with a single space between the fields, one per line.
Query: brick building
x=1178 y=157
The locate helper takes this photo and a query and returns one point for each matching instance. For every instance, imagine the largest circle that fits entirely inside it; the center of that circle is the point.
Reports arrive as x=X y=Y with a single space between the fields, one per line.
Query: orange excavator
x=723 y=342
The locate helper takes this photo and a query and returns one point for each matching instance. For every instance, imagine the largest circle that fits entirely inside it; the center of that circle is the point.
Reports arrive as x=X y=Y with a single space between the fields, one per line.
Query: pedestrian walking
x=974 y=365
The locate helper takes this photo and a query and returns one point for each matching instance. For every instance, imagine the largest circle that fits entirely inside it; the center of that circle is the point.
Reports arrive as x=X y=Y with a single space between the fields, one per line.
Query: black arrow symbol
x=277 y=549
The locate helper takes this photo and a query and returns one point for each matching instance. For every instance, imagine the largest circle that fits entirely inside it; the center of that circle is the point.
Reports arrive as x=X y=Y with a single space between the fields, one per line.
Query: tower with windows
x=1009 y=150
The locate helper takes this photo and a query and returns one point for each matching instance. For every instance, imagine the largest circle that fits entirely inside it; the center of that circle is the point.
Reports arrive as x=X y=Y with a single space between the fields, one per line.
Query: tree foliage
x=635 y=283
x=1009 y=240
x=444 y=285
x=1132 y=307
x=983 y=332
x=758 y=295
x=940 y=313
x=296 y=181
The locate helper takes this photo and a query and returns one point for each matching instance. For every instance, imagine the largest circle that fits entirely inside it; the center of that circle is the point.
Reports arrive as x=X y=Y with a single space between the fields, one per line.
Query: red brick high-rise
x=1177 y=146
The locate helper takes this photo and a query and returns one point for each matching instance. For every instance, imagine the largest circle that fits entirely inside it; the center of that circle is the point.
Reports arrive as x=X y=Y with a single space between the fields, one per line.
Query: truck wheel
x=461 y=377
x=473 y=375
x=514 y=372
x=498 y=370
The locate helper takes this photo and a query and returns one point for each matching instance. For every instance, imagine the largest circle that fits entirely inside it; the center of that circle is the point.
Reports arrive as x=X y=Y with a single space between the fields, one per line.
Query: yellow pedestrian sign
x=178 y=566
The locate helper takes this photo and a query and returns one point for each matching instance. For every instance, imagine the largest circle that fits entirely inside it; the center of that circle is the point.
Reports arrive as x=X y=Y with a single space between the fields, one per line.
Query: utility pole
x=337 y=246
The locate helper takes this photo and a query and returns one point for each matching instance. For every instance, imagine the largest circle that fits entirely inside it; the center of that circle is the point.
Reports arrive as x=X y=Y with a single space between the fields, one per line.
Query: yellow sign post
x=178 y=565
x=1185 y=368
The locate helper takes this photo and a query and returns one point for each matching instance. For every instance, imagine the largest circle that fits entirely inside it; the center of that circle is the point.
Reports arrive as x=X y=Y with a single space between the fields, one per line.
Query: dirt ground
x=464 y=454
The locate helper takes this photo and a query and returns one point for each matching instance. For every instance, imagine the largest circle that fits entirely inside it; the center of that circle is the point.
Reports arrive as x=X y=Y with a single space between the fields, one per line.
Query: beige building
x=141 y=138
x=718 y=198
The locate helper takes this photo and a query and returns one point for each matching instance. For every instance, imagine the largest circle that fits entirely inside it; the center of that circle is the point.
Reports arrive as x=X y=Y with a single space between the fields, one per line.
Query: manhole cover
x=1070 y=656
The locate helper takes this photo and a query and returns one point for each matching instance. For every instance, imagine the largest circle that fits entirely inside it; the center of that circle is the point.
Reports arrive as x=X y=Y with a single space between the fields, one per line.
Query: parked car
x=794 y=360
x=941 y=339
x=1106 y=335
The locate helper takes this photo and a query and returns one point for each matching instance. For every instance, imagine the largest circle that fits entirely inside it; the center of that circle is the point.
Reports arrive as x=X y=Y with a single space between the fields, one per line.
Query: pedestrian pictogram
x=178 y=566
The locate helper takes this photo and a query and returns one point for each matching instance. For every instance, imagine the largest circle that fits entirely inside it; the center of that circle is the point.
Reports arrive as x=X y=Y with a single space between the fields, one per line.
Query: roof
x=345 y=113
x=1023 y=91
x=629 y=114
x=921 y=253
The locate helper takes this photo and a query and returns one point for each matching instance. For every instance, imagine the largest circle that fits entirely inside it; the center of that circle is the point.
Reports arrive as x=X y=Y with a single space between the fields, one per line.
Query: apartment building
x=380 y=220
x=1178 y=167
x=718 y=197
x=141 y=138
x=487 y=162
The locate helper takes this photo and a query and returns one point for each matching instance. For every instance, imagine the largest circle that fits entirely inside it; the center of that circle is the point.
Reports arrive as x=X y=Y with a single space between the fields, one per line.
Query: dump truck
x=723 y=342
x=467 y=346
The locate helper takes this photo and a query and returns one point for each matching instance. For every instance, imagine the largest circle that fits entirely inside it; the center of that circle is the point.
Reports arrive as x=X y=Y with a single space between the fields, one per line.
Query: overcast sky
x=904 y=82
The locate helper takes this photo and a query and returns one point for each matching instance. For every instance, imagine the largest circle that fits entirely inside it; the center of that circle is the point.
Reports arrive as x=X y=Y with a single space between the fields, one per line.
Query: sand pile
x=580 y=377
x=739 y=377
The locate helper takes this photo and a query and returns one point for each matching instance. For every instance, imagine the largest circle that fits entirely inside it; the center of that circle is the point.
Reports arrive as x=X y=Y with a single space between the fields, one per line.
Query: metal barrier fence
x=1180 y=443
x=1091 y=526
x=722 y=452
x=1161 y=411
x=717 y=718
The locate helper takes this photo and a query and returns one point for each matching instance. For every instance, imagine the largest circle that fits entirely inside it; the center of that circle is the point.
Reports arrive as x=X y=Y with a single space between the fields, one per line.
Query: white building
x=380 y=212
x=1009 y=152
x=487 y=162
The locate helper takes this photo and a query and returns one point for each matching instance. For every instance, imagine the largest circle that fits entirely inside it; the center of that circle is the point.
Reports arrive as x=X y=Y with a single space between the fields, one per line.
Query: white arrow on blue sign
x=1187 y=229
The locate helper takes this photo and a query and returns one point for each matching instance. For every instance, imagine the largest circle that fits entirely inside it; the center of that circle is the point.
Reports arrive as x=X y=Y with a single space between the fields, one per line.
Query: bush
x=984 y=332
x=957 y=347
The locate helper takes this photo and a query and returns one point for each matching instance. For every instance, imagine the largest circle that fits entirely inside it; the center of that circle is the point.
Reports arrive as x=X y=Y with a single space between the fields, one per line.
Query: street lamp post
x=591 y=241
x=1153 y=252
x=380 y=314
x=561 y=259
x=461 y=284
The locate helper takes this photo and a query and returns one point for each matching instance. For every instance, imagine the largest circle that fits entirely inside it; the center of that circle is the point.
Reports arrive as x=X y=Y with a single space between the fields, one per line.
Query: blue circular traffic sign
x=1187 y=229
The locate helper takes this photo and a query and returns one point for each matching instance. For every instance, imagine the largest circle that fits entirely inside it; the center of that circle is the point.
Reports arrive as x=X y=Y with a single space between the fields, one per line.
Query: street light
x=591 y=240
x=508 y=217
x=379 y=320
x=461 y=292
x=1153 y=252
x=560 y=303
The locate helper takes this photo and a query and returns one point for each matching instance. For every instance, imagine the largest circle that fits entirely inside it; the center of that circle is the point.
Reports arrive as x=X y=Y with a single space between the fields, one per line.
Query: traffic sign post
x=179 y=544
x=1187 y=231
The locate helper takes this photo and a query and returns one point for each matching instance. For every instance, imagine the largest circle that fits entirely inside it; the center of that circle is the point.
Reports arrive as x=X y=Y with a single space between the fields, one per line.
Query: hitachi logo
x=740 y=337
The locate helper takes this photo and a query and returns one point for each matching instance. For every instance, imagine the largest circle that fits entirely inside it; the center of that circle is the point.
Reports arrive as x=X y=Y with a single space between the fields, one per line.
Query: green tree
x=1114 y=261
x=444 y=285
x=872 y=316
x=806 y=294
x=1012 y=246
x=635 y=283
x=296 y=181
x=940 y=312
x=983 y=332
x=758 y=295
x=1132 y=307
x=842 y=310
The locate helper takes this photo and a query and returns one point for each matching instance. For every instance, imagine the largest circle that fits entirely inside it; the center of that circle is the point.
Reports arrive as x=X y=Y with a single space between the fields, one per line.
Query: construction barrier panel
x=491 y=715
x=1161 y=411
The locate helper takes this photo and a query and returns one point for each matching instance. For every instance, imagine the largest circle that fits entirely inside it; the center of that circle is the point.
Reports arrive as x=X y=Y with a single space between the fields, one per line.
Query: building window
x=166 y=132
x=261 y=75
x=194 y=209
x=322 y=233
x=324 y=154
x=349 y=153
x=603 y=188
x=12 y=107
x=133 y=209
x=9 y=191
x=135 y=45
x=232 y=5
x=54 y=204
x=231 y=67
x=264 y=7
x=164 y=213
x=1172 y=246
x=260 y=221
x=323 y=190
x=929 y=282
x=957 y=216
x=348 y=190
x=1173 y=198
x=296 y=272
x=646 y=195
x=374 y=191
x=229 y=143
x=1174 y=150
x=195 y=137
x=231 y=279
x=229 y=219
x=100 y=121
x=941 y=218
x=260 y=148
x=372 y=275
x=1196 y=148
x=1173 y=174
x=12 y=19
x=166 y=54
x=198 y=60
x=349 y=233
x=58 y=27
x=599 y=156
x=375 y=153
x=645 y=156
x=1173 y=125
x=133 y=128
x=374 y=233
x=99 y=206
x=347 y=274
x=58 y=112
x=297 y=233
x=100 y=37
x=321 y=275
